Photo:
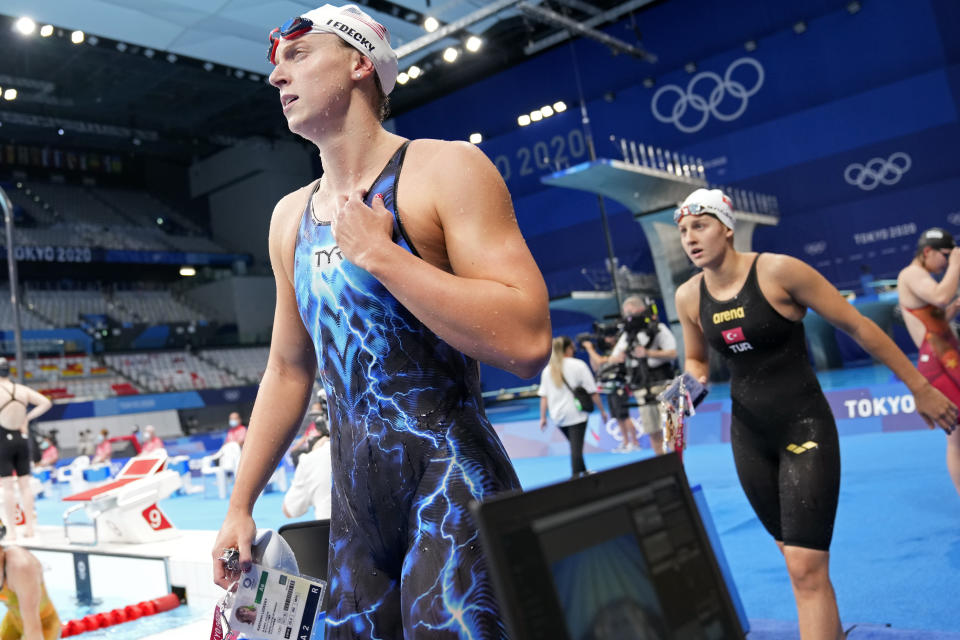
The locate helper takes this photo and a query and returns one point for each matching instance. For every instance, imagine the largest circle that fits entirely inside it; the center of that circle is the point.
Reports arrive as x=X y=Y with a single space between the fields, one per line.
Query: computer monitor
x=620 y=554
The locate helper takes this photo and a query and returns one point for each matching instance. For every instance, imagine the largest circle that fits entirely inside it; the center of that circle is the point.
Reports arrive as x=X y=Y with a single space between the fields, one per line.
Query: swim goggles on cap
x=693 y=209
x=292 y=28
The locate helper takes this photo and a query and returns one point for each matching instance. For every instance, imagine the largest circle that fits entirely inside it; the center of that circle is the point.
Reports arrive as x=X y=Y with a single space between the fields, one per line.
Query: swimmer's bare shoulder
x=284 y=223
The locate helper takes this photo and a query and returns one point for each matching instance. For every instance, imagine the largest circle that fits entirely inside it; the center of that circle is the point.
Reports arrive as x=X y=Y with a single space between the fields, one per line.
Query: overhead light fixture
x=160 y=221
x=121 y=46
x=799 y=27
x=473 y=44
x=188 y=272
x=171 y=58
x=240 y=73
x=536 y=116
x=10 y=94
x=149 y=53
x=25 y=25
x=431 y=24
x=403 y=78
x=60 y=131
x=93 y=41
x=546 y=111
x=559 y=106
x=523 y=120
x=254 y=77
x=476 y=138
x=46 y=31
x=750 y=45
x=414 y=72
x=208 y=66
x=76 y=37
x=450 y=54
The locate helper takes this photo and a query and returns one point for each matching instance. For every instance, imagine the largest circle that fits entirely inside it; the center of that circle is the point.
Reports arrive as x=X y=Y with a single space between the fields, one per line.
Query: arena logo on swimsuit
x=736 y=340
x=728 y=315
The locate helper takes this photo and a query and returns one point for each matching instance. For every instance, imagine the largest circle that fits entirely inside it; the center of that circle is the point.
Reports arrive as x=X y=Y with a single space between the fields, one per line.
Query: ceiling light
x=76 y=37
x=60 y=132
x=149 y=53
x=450 y=54
x=159 y=220
x=254 y=77
x=750 y=45
x=559 y=106
x=546 y=111
x=208 y=66
x=413 y=72
x=476 y=138
x=25 y=25
x=171 y=58
x=188 y=271
x=536 y=116
x=523 y=120
x=473 y=44
x=46 y=30
x=93 y=41
x=799 y=27
x=431 y=24
x=403 y=78
x=121 y=46
x=10 y=94
x=239 y=73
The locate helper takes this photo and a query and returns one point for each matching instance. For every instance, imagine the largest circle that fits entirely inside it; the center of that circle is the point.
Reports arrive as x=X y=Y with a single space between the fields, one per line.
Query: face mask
x=234 y=423
x=44 y=445
x=99 y=439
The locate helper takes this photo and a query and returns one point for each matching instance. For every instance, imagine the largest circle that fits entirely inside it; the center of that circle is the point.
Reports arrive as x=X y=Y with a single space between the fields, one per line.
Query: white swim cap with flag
x=702 y=201
x=357 y=29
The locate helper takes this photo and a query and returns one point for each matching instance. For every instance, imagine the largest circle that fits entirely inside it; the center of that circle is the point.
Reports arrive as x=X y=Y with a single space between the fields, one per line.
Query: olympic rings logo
x=708 y=106
x=878 y=171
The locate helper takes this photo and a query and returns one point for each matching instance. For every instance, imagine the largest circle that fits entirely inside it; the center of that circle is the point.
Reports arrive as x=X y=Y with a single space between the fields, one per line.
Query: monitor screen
x=618 y=554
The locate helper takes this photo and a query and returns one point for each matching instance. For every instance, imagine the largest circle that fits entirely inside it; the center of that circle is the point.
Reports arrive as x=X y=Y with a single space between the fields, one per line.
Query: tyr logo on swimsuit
x=327 y=256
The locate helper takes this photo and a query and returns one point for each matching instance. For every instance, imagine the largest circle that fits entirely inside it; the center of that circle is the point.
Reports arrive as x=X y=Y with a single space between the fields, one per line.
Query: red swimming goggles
x=292 y=28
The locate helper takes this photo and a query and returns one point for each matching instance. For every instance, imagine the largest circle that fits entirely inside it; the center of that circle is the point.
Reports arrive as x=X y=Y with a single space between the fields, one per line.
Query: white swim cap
x=703 y=201
x=357 y=29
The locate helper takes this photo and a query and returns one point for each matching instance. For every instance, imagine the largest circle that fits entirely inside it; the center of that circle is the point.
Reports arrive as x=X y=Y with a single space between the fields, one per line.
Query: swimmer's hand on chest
x=361 y=231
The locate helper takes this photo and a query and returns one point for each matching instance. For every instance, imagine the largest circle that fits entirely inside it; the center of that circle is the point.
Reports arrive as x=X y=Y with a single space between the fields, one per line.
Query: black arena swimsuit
x=784 y=437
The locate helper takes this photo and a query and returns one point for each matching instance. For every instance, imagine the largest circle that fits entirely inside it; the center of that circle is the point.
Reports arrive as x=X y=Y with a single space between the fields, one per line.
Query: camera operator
x=641 y=363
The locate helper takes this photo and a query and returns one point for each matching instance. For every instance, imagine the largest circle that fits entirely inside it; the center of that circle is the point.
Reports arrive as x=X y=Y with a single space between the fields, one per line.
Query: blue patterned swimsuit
x=411 y=447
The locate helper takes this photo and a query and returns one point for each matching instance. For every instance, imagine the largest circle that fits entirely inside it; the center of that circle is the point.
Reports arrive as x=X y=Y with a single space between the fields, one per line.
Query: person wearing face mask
x=237 y=431
x=49 y=453
x=151 y=441
x=103 y=450
x=928 y=307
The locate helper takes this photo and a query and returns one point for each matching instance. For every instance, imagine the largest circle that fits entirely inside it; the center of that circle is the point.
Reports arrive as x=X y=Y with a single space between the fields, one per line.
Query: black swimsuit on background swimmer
x=784 y=437
x=410 y=448
x=14 y=448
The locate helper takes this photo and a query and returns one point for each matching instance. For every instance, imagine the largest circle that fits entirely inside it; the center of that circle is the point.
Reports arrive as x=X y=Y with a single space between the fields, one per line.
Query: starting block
x=126 y=510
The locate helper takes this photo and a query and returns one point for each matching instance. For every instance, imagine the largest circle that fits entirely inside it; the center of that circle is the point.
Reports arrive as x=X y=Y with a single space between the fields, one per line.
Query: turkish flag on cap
x=733 y=335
